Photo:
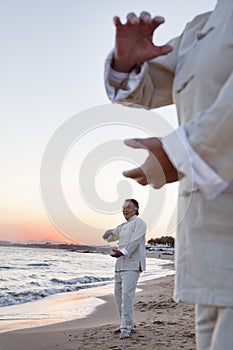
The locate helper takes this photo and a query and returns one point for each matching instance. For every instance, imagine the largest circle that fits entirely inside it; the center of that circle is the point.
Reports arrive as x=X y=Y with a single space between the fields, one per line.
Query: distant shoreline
x=81 y=248
x=66 y=246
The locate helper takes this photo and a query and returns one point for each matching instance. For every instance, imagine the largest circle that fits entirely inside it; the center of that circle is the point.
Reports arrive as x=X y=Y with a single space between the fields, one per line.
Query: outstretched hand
x=157 y=170
x=134 y=41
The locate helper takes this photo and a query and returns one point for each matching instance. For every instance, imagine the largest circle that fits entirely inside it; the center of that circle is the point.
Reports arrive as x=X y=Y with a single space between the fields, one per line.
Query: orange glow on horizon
x=32 y=231
x=44 y=231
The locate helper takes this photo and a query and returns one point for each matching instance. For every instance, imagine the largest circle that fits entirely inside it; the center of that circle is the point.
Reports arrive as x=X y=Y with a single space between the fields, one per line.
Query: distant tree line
x=164 y=240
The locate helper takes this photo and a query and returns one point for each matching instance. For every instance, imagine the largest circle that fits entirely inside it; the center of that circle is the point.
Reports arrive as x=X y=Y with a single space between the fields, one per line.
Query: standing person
x=194 y=71
x=131 y=260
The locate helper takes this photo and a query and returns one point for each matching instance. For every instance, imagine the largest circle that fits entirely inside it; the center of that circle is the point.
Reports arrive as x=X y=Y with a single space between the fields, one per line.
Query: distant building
x=160 y=248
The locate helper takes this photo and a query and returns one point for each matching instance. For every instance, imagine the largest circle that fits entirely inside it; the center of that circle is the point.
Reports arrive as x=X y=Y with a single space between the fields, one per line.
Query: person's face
x=128 y=210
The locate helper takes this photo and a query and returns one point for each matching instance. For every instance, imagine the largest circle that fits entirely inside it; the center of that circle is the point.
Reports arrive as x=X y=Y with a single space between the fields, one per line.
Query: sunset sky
x=52 y=59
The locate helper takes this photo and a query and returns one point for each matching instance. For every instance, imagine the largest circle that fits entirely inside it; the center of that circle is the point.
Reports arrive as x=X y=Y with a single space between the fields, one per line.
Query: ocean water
x=31 y=279
x=30 y=274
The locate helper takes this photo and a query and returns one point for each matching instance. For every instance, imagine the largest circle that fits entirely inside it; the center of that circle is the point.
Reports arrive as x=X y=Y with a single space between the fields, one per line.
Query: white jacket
x=131 y=236
x=198 y=77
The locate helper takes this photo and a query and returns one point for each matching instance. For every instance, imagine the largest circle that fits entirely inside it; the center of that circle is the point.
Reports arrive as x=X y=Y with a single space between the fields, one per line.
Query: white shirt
x=130 y=235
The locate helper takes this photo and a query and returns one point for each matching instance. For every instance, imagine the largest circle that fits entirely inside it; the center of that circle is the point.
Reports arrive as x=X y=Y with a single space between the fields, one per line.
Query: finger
x=135 y=143
x=134 y=173
x=145 y=17
x=142 y=181
x=157 y=21
x=147 y=143
x=132 y=18
x=117 y=21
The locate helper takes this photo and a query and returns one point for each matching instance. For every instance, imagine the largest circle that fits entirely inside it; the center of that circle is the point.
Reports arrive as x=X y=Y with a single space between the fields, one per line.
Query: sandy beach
x=160 y=324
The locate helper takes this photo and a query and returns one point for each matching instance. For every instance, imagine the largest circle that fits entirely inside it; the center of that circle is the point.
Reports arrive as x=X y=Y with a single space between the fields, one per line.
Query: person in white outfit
x=194 y=71
x=131 y=260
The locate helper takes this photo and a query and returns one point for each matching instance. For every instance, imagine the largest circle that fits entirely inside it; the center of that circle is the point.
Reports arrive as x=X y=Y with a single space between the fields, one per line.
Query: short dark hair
x=135 y=203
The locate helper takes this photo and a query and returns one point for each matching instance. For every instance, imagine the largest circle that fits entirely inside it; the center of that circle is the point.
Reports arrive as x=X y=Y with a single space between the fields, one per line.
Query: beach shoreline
x=160 y=324
x=70 y=305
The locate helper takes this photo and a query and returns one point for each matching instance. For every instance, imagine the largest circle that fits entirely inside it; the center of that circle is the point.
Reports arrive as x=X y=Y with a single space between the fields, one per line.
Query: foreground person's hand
x=157 y=170
x=134 y=43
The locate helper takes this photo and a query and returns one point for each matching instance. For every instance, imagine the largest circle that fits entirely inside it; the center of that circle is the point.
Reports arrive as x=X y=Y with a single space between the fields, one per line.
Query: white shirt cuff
x=117 y=77
x=124 y=252
x=114 y=79
x=187 y=161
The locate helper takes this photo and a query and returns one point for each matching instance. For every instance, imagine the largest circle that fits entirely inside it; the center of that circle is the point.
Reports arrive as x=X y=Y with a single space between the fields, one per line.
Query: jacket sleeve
x=115 y=234
x=211 y=133
x=148 y=86
x=133 y=246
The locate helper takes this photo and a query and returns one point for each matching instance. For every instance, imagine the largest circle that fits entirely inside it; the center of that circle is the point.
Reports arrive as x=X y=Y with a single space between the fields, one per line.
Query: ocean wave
x=7 y=268
x=28 y=275
x=38 y=264
x=13 y=298
x=81 y=280
x=35 y=283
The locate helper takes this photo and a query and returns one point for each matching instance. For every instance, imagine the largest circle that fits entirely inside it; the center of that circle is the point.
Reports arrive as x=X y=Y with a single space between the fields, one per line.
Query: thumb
x=135 y=143
x=164 y=50
x=142 y=143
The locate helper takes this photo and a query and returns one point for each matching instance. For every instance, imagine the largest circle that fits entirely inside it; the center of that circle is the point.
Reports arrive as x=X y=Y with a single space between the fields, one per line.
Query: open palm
x=134 y=41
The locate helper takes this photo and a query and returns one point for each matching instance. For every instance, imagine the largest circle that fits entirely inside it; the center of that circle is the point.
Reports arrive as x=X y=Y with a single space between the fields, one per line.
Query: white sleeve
x=125 y=252
x=120 y=85
x=188 y=162
x=117 y=77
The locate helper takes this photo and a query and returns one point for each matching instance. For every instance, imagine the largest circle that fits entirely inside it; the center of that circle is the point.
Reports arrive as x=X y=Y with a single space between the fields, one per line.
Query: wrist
x=122 y=66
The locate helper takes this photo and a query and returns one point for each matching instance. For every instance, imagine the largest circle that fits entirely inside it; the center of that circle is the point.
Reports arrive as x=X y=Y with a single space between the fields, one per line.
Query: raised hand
x=157 y=169
x=134 y=43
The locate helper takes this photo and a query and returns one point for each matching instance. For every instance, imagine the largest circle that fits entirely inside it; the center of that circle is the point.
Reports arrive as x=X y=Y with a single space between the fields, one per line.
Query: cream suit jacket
x=131 y=236
x=198 y=77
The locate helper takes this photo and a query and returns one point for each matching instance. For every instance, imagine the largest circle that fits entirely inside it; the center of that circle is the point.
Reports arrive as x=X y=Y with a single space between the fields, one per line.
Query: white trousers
x=124 y=290
x=214 y=328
